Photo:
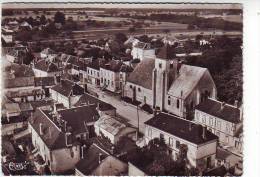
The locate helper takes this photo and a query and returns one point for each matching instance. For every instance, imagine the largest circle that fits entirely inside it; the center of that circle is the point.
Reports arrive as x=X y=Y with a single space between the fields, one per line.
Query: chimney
x=222 y=105
x=41 y=129
x=65 y=126
x=204 y=132
x=99 y=158
x=190 y=126
x=236 y=104
x=82 y=151
x=112 y=150
x=56 y=79
x=85 y=88
x=68 y=139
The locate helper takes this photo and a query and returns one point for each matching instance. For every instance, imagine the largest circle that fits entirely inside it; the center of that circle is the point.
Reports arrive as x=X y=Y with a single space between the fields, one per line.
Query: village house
x=92 y=75
x=224 y=120
x=142 y=51
x=8 y=35
x=81 y=119
x=113 y=129
x=109 y=76
x=44 y=68
x=165 y=83
x=66 y=92
x=176 y=132
x=101 y=106
x=47 y=53
x=53 y=141
x=98 y=162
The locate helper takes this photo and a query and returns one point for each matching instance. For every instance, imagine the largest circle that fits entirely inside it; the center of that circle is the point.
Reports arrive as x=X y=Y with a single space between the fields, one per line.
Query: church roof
x=143 y=73
x=189 y=77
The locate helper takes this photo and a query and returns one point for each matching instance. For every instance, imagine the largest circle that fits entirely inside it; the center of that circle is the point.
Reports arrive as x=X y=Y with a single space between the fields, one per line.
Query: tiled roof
x=143 y=73
x=78 y=117
x=52 y=136
x=46 y=66
x=180 y=128
x=91 y=160
x=66 y=88
x=89 y=99
x=188 y=78
x=113 y=65
x=166 y=52
x=213 y=107
x=126 y=68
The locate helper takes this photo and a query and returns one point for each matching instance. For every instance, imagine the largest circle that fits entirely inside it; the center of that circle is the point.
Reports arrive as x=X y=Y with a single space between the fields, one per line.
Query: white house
x=47 y=52
x=111 y=128
x=44 y=68
x=176 y=132
x=167 y=84
x=92 y=75
x=142 y=50
x=54 y=142
x=66 y=92
x=109 y=75
x=223 y=120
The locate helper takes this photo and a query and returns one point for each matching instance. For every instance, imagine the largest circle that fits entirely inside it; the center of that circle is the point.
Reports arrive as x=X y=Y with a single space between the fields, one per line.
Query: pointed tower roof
x=166 y=52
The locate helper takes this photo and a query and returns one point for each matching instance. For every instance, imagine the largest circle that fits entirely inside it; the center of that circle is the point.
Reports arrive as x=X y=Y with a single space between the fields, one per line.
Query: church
x=164 y=83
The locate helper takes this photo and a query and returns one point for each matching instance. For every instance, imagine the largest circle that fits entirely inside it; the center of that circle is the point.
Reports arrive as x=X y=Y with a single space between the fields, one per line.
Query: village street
x=125 y=110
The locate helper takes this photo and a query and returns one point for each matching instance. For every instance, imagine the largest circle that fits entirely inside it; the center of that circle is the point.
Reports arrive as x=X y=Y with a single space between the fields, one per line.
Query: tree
x=59 y=17
x=30 y=20
x=43 y=20
x=120 y=37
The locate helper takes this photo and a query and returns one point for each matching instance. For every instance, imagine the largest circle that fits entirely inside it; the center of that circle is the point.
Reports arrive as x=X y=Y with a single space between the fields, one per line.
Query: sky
x=152 y=6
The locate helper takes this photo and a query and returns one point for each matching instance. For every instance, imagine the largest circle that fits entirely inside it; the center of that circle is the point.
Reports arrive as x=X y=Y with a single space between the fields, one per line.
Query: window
x=160 y=65
x=211 y=121
x=169 y=101
x=139 y=89
x=178 y=144
x=170 y=141
x=108 y=81
x=204 y=119
x=149 y=132
x=171 y=65
x=227 y=127
x=178 y=103
x=219 y=124
x=131 y=86
x=112 y=83
x=161 y=136
x=102 y=80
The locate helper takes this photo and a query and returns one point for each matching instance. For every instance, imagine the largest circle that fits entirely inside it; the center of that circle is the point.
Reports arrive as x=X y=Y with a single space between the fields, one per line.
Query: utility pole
x=137 y=121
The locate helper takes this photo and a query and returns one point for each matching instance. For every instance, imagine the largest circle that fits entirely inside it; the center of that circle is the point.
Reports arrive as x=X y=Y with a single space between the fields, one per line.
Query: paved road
x=125 y=110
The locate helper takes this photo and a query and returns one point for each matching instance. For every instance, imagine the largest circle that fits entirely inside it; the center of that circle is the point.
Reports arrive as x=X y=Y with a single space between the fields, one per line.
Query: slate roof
x=44 y=81
x=143 y=73
x=46 y=66
x=91 y=160
x=113 y=65
x=78 y=117
x=213 y=107
x=180 y=128
x=95 y=64
x=52 y=136
x=67 y=87
x=189 y=76
x=89 y=99
x=110 y=124
x=166 y=52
